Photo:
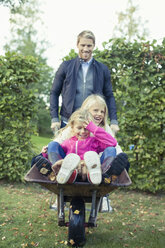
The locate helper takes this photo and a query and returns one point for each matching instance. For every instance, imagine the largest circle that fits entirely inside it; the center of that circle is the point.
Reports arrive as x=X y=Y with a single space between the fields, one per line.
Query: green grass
x=137 y=220
x=39 y=142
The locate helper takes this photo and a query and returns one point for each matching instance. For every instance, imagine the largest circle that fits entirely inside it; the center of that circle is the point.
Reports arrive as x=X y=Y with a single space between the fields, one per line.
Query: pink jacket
x=98 y=143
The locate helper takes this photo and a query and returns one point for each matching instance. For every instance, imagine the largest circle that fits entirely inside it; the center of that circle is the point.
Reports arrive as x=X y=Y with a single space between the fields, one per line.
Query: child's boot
x=92 y=162
x=114 y=166
x=44 y=165
x=69 y=164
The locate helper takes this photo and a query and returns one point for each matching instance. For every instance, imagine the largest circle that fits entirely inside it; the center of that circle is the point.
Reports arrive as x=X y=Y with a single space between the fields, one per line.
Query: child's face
x=98 y=113
x=79 y=131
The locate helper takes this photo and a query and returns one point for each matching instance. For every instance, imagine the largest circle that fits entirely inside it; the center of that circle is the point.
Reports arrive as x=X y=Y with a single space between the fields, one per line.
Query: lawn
x=137 y=220
x=39 y=142
x=26 y=220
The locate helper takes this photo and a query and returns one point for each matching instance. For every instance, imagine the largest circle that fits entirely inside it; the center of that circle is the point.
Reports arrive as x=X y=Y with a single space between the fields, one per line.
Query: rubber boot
x=115 y=166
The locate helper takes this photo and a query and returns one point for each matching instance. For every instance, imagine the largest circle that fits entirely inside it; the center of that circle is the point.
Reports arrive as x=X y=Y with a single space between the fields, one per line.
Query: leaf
x=71 y=241
x=76 y=212
x=43 y=230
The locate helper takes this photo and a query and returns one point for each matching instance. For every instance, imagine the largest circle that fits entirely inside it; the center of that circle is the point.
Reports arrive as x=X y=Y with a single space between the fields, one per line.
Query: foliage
x=44 y=119
x=138 y=75
x=72 y=54
x=129 y=25
x=12 y=3
x=25 y=21
x=18 y=108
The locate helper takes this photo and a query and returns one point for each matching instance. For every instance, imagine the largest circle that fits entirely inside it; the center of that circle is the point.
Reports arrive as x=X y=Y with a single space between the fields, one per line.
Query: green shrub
x=138 y=78
x=18 y=110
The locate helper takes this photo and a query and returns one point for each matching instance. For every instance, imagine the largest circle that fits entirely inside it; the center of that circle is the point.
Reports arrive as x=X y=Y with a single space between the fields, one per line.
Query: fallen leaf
x=3 y=224
x=14 y=228
x=71 y=241
x=76 y=212
x=43 y=230
x=24 y=245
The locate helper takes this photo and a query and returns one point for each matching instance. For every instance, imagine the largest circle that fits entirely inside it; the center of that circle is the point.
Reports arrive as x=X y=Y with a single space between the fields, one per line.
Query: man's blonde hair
x=92 y=100
x=86 y=34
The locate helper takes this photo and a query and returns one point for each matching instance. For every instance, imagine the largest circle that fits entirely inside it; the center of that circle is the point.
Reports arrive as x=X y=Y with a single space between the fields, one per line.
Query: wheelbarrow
x=78 y=194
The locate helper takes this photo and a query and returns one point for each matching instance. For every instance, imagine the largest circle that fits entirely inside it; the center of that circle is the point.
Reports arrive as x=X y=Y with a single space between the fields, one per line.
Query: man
x=78 y=78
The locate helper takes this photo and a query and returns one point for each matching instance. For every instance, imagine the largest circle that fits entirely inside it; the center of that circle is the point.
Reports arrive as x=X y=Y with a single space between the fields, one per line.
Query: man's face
x=85 y=47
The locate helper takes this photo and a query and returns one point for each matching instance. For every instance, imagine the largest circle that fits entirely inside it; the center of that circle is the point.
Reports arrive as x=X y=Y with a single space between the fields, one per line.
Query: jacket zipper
x=77 y=147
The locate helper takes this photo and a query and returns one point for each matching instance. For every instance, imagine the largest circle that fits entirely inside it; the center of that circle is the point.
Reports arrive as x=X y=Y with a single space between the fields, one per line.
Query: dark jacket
x=65 y=83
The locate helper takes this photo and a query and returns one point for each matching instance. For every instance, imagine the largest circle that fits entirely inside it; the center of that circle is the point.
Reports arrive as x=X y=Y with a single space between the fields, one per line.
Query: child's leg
x=68 y=166
x=55 y=152
x=108 y=152
x=92 y=162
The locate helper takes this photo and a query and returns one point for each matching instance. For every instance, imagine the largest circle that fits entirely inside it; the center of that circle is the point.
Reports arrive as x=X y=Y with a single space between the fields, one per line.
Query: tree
x=25 y=20
x=129 y=26
x=12 y=3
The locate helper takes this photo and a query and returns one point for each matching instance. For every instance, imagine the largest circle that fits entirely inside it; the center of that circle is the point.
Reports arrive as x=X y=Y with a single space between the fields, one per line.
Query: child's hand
x=85 y=124
x=44 y=149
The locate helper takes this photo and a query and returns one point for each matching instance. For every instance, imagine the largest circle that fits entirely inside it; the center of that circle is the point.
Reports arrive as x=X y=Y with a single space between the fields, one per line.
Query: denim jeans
x=55 y=147
x=108 y=152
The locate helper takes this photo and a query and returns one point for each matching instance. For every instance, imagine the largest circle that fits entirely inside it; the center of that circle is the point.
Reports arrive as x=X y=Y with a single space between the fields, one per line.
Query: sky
x=63 y=20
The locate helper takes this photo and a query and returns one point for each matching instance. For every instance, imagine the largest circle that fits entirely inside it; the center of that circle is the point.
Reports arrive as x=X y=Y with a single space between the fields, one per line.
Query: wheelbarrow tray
x=83 y=189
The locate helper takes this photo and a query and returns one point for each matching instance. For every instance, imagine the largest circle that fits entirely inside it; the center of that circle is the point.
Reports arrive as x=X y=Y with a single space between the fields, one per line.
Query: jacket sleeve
x=109 y=97
x=102 y=136
x=56 y=90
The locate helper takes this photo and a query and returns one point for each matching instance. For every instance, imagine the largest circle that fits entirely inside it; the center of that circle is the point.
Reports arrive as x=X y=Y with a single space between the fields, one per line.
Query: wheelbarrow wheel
x=76 y=234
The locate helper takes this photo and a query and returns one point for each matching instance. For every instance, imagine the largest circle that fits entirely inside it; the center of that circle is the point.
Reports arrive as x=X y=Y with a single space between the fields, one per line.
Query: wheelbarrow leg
x=61 y=214
x=94 y=210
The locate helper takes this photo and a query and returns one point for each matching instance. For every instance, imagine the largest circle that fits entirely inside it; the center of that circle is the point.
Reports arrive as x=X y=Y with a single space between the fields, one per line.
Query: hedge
x=138 y=78
x=17 y=111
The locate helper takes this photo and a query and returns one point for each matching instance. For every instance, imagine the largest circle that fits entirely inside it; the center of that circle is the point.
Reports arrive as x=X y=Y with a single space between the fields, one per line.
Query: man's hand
x=115 y=128
x=55 y=126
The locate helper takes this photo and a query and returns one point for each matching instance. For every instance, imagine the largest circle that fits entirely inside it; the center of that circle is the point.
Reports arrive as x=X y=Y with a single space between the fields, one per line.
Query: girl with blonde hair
x=96 y=106
x=82 y=146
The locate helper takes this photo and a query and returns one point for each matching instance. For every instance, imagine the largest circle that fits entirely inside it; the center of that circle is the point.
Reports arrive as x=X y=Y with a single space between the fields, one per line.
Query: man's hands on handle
x=55 y=126
x=115 y=128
